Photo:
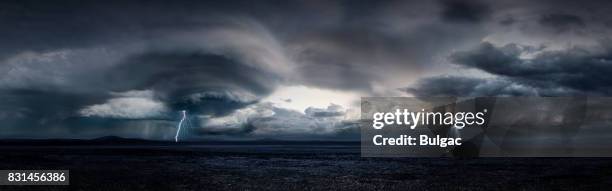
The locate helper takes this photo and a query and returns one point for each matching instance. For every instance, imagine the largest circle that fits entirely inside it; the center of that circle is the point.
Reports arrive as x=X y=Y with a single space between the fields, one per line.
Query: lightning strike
x=178 y=130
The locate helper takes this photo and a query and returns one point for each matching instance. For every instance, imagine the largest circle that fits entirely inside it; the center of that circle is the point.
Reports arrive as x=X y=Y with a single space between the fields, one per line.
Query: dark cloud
x=38 y=113
x=325 y=71
x=43 y=26
x=244 y=130
x=41 y=107
x=561 y=22
x=491 y=59
x=576 y=68
x=507 y=21
x=197 y=82
x=453 y=86
x=456 y=86
x=465 y=11
x=575 y=71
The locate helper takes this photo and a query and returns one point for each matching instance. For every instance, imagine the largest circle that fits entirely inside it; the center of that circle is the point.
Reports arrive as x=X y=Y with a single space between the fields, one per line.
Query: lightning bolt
x=178 y=129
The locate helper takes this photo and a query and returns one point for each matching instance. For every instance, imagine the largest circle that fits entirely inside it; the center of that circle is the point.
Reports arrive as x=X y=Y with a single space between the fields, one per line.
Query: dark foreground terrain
x=294 y=167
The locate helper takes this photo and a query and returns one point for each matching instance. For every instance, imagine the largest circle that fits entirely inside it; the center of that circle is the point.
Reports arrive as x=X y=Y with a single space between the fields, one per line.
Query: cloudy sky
x=280 y=69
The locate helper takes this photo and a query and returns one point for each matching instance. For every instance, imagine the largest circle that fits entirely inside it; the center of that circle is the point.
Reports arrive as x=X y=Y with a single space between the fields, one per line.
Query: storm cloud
x=574 y=71
x=465 y=11
x=561 y=22
x=84 y=69
x=456 y=86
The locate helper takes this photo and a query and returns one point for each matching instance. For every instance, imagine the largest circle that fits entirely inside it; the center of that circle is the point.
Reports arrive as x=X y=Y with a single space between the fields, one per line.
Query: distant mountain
x=108 y=140
x=116 y=139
